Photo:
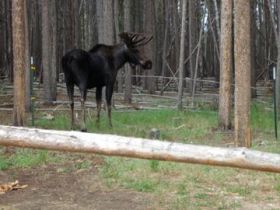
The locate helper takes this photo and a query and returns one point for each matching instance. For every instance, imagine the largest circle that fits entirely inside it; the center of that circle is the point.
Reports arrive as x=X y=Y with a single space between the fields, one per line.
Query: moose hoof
x=84 y=130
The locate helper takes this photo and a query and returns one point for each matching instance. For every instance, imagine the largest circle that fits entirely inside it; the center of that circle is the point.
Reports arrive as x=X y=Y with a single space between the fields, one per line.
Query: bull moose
x=99 y=66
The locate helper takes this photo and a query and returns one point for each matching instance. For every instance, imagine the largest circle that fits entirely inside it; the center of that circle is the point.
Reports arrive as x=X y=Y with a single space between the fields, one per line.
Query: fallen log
x=112 y=145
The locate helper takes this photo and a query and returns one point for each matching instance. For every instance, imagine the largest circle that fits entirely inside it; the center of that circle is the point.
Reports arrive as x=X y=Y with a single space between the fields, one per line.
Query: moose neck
x=120 y=57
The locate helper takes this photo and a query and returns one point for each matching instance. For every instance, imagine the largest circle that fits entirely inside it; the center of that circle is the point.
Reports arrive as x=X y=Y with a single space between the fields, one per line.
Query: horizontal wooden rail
x=113 y=145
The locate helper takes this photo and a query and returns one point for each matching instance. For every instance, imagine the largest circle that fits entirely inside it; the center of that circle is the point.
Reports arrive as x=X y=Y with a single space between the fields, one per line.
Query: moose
x=99 y=66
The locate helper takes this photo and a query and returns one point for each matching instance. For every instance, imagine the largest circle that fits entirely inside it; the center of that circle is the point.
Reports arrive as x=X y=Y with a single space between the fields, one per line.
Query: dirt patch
x=50 y=189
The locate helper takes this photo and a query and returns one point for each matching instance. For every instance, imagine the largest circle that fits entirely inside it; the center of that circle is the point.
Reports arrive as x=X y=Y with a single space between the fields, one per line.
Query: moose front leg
x=72 y=115
x=98 y=103
x=70 y=92
x=109 y=93
x=83 y=100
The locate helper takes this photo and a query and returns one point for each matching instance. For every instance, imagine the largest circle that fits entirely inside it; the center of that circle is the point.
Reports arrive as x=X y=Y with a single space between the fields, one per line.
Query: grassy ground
x=176 y=186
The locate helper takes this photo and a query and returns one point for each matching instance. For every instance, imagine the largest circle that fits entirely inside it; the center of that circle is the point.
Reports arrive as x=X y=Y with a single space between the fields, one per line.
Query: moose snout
x=147 y=64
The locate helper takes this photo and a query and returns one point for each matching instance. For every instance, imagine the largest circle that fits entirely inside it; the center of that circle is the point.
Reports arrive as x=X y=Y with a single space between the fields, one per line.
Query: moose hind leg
x=98 y=103
x=109 y=106
x=70 y=92
x=109 y=93
x=83 y=100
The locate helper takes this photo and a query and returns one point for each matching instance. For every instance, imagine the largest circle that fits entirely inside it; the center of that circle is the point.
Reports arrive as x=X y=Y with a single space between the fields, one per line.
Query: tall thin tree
x=182 y=56
x=105 y=21
x=193 y=35
x=226 y=64
x=20 y=61
x=150 y=28
x=49 y=49
x=128 y=70
x=242 y=59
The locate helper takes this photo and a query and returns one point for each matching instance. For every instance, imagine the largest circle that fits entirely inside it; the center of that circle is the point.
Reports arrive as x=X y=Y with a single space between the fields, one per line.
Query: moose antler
x=143 y=41
x=135 y=39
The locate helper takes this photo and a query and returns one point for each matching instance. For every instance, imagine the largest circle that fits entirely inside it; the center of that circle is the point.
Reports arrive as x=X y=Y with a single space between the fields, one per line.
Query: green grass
x=241 y=191
x=173 y=125
x=277 y=185
x=24 y=158
x=176 y=186
x=262 y=118
x=60 y=122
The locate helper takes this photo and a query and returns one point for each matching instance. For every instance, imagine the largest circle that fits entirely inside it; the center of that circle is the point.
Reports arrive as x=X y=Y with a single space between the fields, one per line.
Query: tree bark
x=20 y=61
x=2 y=39
x=7 y=40
x=226 y=65
x=277 y=84
x=253 y=50
x=192 y=39
x=182 y=57
x=196 y=69
x=149 y=49
x=27 y=58
x=128 y=71
x=105 y=22
x=117 y=32
x=49 y=50
x=242 y=58
x=164 y=45
x=217 y=17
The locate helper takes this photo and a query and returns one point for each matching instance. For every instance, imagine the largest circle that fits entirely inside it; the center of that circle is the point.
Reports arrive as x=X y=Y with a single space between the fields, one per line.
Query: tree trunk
x=49 y=50
x=149 y=49
x=182 y=56
x=20 y=61
x=105 y=22
x=108 y=13
x=2 y=39
x=253 y=50
x=277 y=89
x=138 y=148
x=164 y=45
x=196 y=69
x=117 y=32
x=128 y=71
x=9 y=40
x=217 y=21
x=242 y=58
x=27 y=67
x=226 y=65
x=192 y=39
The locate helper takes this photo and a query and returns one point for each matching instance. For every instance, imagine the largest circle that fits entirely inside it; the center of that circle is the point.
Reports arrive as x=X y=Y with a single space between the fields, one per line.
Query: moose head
x=135 y=52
